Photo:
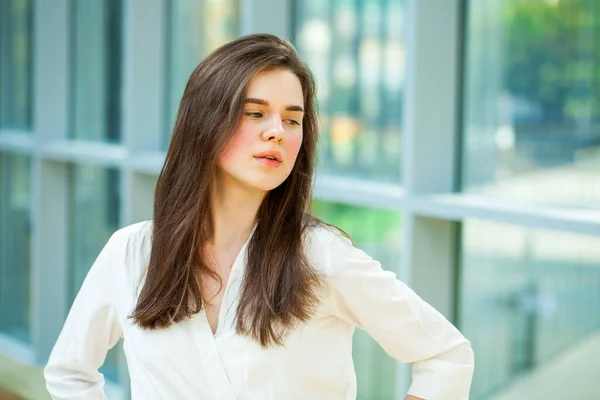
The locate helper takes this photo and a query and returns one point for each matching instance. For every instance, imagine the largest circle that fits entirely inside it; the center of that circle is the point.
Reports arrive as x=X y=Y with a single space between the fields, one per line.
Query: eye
x=252 y=114
x=292 y=122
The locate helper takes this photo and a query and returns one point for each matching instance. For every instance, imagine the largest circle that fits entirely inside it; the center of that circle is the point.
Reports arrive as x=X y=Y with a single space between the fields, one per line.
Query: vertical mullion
x=49 y=179
x=143 y=123
x=49 y=258
x=246 y=24
x=145 y=31
x=276 y=21
x=458 y=152
x=429 y=156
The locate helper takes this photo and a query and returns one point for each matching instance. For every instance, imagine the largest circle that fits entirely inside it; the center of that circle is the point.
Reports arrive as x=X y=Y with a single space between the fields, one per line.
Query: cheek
x=292 y=147
x=237 y=146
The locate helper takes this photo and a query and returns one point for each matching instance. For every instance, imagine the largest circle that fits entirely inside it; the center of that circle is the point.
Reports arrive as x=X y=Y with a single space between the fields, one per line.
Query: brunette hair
x=279 y=287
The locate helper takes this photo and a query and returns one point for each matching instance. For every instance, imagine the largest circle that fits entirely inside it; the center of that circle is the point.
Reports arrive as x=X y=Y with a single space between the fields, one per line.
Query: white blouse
x=186 y=361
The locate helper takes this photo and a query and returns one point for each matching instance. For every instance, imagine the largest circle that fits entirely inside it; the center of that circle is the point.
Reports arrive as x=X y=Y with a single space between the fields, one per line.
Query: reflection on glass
x=378 y=233
x=15 y=246
x=195 y=29
x=94 y=216
x=15 y=63
x=96 y=44
x=532 y=110
x=527 y=295
x=356 y=50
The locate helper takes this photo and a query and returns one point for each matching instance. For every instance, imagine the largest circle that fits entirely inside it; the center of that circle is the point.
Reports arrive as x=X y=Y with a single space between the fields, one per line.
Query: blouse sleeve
x=407 y=328
x=90 y=330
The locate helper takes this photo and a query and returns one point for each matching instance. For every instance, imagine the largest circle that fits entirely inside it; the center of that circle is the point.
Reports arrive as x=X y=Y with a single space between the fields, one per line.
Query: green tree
x=552 y=57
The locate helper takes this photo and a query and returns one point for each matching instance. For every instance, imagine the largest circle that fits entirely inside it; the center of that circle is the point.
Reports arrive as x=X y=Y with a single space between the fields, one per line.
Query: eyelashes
x=258 y=115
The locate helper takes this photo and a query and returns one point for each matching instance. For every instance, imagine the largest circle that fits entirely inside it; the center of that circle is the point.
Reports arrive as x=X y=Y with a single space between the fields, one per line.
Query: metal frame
x=429 y=152
x=432 y=210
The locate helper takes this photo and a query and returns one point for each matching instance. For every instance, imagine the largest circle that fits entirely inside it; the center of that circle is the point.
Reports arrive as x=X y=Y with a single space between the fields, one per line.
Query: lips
x=269 y=158
x=273 y=155
x=268 y=162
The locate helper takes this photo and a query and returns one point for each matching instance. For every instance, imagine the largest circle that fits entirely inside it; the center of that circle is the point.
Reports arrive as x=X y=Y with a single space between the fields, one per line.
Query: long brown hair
x=280 y=287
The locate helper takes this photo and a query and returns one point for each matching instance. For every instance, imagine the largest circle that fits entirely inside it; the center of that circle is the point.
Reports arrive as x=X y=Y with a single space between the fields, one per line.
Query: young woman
x=232 y=291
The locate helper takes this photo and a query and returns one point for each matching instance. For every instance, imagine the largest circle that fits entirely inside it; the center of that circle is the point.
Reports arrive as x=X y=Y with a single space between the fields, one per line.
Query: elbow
x=51 y=374
x=447 y=375
x=53 y=383
x=466 y=351
x=467 y=368
x=469 y=355
x=465 y=363
x=54 y=377
x=464 y=356
x=63 y=382
x=459 y=360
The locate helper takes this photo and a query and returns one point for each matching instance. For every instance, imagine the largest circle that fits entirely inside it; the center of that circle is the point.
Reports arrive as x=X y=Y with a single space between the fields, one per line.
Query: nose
x=273 y=132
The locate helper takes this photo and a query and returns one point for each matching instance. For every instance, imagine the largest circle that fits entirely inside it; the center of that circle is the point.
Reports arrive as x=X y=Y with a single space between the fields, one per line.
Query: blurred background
x=460 y=146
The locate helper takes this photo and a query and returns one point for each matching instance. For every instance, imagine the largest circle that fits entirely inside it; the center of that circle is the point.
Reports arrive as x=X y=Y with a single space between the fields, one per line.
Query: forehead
x=277 y=86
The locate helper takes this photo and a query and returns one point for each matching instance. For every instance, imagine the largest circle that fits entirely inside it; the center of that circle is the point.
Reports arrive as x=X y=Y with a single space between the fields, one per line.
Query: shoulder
x=130 y=244
x=321 y=235
x=135 y=231
x=128 y=253
x=325 y=245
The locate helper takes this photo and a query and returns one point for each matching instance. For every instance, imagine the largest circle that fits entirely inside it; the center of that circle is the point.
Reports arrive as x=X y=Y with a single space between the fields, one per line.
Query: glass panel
x=96 y=65
x=15 y=63
x=94 y=207
x=195 y=29
x=15 y=246
x=527 y=296
x=532 y=110
x=356 y=50
x=377 y=232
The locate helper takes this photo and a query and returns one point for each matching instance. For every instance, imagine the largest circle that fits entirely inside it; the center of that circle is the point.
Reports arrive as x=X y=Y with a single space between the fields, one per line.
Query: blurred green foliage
x=552 y=56
x=364 y=225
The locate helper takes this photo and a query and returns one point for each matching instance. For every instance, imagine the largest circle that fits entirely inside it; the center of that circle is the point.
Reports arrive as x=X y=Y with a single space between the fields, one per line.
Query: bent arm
x=407 y=328
x=90 y=330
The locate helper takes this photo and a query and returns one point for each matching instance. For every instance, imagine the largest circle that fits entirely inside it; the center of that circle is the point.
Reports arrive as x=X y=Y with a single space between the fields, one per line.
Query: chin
x=266 y=187
x=254 y=182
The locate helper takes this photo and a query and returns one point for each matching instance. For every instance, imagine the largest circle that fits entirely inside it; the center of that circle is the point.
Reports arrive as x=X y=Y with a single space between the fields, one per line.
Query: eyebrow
x=262 y=102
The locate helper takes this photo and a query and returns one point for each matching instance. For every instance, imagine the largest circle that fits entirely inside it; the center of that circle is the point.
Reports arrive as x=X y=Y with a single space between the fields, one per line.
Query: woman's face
x=262 y=152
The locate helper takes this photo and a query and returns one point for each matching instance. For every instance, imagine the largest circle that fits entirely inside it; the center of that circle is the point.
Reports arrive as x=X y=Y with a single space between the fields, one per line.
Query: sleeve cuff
x=441 y=383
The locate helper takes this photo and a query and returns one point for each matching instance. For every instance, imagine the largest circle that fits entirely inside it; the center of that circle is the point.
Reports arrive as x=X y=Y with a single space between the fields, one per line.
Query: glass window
x=94 y=200
x=377 y=232
x=527 y=295
x=532 y=101
x=15 y=63
x=356 y=50
x=96 y=45
x=190 y=38
x=15 y=246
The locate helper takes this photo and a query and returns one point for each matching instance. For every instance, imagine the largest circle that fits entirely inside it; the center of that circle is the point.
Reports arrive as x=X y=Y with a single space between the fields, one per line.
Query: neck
x=234 y=211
